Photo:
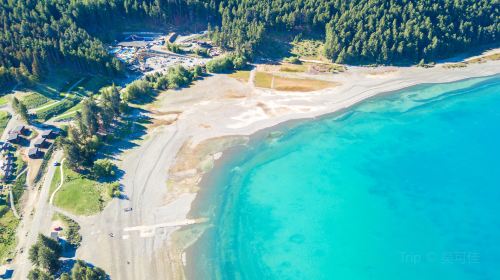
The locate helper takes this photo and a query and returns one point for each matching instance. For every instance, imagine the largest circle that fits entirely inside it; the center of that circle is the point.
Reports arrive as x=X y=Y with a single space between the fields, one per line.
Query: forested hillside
x=40 y=35
x=366 y=31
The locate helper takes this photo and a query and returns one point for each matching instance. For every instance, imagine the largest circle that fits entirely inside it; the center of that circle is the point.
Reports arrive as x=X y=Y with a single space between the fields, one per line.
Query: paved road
x=37 y=219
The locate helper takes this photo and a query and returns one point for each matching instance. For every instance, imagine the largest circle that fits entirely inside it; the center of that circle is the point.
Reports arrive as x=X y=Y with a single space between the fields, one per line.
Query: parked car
x=56 y=163
x=128 y=209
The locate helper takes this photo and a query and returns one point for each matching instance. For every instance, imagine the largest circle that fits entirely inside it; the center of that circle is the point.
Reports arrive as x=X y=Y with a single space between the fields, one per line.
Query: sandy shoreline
x=355 y=93
x=190 y=130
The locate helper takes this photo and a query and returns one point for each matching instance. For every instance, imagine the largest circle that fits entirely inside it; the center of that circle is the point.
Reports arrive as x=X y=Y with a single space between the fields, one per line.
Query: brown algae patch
x=192 y=162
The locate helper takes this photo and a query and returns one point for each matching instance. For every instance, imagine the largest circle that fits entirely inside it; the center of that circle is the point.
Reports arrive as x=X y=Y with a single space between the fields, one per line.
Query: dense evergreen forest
x=366 y=31
x=38 y=35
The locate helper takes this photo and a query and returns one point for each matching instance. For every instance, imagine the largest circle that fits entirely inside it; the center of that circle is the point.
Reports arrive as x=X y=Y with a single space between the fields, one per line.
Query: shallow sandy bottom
x=188 y=133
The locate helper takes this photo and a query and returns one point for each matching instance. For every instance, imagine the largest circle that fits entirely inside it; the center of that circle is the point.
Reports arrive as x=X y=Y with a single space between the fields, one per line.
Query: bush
x=103 y=168
x=227 y=63
x=71 y=231
x=201 y=52
x=197 y=71
x=220 y=65
x=81 y=270
x=114 y=189
x=136 y=90
x=174 y=48
x=293 y=60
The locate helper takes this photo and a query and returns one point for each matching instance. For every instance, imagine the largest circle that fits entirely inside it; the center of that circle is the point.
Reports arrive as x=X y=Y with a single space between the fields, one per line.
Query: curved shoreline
x=190 y=130
x=224 y=195
x=254 y=132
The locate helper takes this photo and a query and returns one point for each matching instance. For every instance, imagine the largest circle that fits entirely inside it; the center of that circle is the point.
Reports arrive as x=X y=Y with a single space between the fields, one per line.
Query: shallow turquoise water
x=405 y=186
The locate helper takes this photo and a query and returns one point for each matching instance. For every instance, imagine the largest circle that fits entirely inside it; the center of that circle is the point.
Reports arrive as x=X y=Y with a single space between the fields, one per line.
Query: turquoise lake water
x=404 y=186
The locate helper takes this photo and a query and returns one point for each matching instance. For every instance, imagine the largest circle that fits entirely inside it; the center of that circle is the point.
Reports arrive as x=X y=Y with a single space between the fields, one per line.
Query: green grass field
x=4 y=120
x=35 y=99
x=92 y=84
x=55 y=181
x=57 y=108
x=80 y=195
x=8 y=225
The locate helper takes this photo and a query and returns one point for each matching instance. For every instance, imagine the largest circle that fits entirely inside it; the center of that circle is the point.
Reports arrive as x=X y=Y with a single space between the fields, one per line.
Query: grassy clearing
x=57 y=108
x=80 y=195
x=4 y=99
x=308 y=49
x=56 y=180
x=263 y=79
x=8 y=225
x=35 y=99
x=268 y=80
x=241 y=75
x=70 y=113
x=93 y=84
x=4 y=120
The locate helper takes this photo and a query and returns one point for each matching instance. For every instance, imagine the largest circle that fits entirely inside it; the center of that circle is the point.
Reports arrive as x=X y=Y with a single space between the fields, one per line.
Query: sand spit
x=191 y=128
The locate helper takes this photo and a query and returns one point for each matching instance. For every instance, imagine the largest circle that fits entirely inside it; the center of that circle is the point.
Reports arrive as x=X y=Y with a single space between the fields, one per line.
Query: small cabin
x=49 y=134
x=41 y=143
x=20 y=129
x=34 y=153
x=54 y=235
x=13 y=138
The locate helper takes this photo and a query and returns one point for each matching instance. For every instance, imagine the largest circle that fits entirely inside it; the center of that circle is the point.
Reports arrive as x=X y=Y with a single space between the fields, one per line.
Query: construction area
x=150 y=52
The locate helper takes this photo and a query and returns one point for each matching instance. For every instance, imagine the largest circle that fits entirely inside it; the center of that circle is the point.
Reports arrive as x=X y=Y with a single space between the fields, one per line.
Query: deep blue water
x=405 y=186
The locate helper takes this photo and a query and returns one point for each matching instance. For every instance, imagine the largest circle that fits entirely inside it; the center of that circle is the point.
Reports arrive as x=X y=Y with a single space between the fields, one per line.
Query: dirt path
x=37 y=219
x=51 y=200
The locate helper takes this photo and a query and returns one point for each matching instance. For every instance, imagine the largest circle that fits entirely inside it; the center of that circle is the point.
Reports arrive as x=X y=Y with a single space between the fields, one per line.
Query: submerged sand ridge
x=190 y=130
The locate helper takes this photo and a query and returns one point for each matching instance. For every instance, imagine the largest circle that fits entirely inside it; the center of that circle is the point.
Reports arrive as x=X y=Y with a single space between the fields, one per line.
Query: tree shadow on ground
x=8 y=274
x=68 y=251
x=134 y=129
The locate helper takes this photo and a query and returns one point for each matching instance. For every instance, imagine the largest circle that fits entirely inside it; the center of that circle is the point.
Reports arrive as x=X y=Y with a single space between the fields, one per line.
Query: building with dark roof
x=34 y=153
x=41 y=143
x=13 y=138
x=49 y=134
x=20 y=129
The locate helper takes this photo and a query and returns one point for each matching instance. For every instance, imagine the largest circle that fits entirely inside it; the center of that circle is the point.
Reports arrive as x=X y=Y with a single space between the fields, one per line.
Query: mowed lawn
x=80 y=195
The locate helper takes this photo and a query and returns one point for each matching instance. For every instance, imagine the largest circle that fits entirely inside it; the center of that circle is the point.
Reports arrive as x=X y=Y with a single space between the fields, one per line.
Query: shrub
x=136 y=90
x=227 y=63
x=293 y=60
x=103 y=168
x=114 y=189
